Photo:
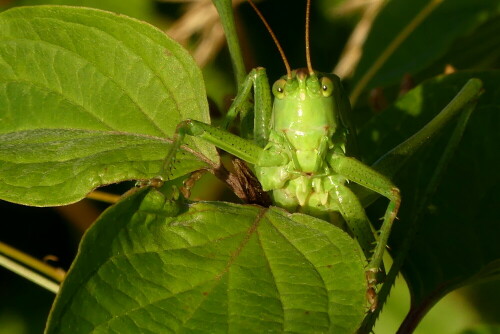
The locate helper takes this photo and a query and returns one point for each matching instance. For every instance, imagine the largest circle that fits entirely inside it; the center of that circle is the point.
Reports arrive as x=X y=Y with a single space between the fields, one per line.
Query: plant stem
x=29 y=274
x=29 y=262
x=104 y=197
x=225 y=10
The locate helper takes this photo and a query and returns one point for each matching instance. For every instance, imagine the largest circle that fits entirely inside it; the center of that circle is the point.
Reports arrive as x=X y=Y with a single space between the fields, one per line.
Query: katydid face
x=305 y=110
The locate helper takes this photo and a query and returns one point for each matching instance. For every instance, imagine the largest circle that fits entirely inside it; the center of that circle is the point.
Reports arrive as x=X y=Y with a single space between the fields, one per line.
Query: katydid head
x=305 y=100
x=321 y=85
x=312 y=99
x=305 y=85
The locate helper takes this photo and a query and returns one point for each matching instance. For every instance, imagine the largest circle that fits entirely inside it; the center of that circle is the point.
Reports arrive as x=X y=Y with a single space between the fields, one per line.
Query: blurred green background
x=56 y=231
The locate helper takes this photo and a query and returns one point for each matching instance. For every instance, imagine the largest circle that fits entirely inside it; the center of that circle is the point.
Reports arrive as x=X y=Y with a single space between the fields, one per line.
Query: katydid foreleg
x=257 y=80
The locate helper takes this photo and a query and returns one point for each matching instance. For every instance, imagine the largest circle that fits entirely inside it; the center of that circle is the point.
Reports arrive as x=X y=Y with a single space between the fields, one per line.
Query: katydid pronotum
x=301 y=154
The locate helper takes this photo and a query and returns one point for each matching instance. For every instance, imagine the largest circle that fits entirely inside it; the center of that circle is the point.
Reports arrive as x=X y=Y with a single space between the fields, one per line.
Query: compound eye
x=279 y=88
x=326 y=86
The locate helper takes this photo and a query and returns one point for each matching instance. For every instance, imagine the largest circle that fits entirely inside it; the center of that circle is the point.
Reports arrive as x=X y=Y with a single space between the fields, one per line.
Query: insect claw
x=371 y=296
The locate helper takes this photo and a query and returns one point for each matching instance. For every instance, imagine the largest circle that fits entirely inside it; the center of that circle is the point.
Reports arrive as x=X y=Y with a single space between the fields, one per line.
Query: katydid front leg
x=248 y=151
x=237 y=146
x=256 y=79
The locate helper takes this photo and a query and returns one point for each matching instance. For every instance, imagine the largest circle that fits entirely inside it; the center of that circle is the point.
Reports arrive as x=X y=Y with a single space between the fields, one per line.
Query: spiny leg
x=445 y=158
x=391 y=162
x=237 y=146
x=242 y=148
x=230 y=143
x=365 y=176
x=354 y=214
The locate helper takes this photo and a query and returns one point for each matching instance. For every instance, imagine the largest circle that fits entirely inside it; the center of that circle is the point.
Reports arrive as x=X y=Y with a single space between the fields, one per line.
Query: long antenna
x=280 y=49
x=308 y=52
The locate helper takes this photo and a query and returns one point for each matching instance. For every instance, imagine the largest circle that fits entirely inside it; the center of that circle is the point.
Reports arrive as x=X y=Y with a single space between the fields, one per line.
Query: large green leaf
x=139 y=9
x=151 y=265
x=478 y=50
x=443 y=23
x=457 y=239
x=81 y=159
x=65 y=68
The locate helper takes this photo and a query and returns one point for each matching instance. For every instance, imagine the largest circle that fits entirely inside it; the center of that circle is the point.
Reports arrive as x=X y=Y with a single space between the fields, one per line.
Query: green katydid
x=301 y=150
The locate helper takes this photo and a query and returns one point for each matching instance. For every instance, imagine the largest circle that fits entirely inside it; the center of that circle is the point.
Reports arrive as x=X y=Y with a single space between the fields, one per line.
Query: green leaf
x=33 y=163
x=211 y=268
x=443 y=23
x=457 y=239
x=65 y=68
x=139 y=9
x=479 y=50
